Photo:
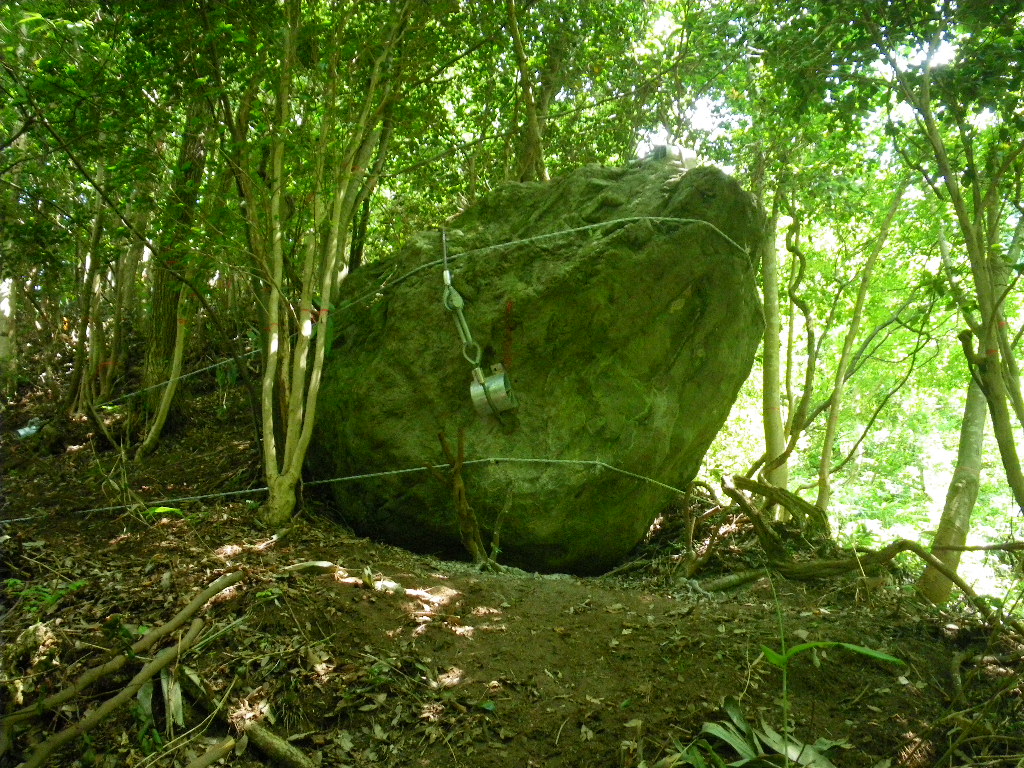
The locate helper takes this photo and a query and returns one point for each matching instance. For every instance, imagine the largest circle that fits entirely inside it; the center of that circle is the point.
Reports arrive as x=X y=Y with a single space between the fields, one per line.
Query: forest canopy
x=184 y=184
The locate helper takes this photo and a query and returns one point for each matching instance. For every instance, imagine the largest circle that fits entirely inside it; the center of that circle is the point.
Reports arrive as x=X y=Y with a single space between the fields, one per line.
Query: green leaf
x=794 y=749
x=156 y=511
x=781 y=660
x=774 y=658
x=735 y=712
x=872 y=653
x=733 y=738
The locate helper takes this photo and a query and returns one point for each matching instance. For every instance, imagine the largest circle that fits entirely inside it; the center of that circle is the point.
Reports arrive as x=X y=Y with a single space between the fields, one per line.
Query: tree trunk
x=167 y=396
x=289 y=367
x=960 y=499
x=126 y=315
x=531 y=152
x=774 y=430
x=832 y=425
x=8 y=338
x=978 y=213
x=171 y=258
x=79 y=386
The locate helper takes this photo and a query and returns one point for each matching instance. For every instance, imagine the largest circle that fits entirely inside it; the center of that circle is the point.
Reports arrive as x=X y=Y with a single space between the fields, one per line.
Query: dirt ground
x=355 y=653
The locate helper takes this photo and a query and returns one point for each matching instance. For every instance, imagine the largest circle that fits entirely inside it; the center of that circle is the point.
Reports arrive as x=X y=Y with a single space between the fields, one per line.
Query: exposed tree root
x=812 y=517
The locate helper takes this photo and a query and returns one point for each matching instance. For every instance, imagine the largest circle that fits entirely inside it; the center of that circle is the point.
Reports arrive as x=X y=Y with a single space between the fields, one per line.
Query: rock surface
x=626 y=334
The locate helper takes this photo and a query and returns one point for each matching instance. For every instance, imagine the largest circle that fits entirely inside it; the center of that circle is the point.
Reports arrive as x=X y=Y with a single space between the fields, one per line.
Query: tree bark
x=171 y=387
x=8 y=337
x=126 y=315
x=531 y=153
x=79 y=386
x=171 y=258
x=960 y=499
x=774 y=429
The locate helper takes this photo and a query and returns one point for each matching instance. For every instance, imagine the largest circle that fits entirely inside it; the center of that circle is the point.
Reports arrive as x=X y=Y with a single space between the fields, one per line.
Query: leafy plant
x=765 y=746
x=149 y=738
x=758 y=747
x=40 y=598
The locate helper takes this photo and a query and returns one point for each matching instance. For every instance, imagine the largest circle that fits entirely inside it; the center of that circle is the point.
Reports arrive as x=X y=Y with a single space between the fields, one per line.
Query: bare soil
x=379 y=657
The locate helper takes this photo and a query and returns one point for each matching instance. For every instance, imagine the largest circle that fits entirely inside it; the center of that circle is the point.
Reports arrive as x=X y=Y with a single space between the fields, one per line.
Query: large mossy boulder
x=622 y=302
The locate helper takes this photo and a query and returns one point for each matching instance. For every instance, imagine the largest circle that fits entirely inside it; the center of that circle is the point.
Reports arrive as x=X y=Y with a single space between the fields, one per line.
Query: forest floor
x=370 y=655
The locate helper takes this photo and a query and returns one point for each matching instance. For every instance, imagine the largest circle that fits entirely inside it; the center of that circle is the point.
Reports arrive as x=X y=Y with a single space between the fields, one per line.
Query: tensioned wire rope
x=388 y=284
x=596 y=463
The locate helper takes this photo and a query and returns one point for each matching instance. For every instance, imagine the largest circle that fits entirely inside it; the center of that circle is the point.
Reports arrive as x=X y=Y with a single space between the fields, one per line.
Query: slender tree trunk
x=97 y=335
x=362 y=204
x=126 y=313
x=832 y=425
x=8 y=337
x=960 y=499
x=978 y=216
x=10 y=285
x=774 y=430
x=80 y=383
x=338 y=181
x=167 y=397
x=531 y=153
x=171 y=259
x=281 y=497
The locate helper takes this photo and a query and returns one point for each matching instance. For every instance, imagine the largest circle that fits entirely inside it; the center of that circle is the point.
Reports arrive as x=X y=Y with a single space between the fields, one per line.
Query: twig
x=42 y=752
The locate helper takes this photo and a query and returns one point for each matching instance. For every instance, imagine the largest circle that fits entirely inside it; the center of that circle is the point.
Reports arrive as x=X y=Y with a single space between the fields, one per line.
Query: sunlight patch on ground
x=248 y=710
x=429 y=605
x=227 y=551
x=448 y=679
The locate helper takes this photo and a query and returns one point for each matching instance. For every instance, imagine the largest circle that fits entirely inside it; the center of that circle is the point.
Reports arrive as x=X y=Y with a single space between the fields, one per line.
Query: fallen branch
x=217 y=752
x=732 y=580
x=90 y=676
x=278 y=750
x=43 y=751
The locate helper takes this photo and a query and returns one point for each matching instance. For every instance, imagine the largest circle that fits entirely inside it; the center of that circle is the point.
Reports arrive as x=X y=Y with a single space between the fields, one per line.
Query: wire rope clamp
x=492 y=395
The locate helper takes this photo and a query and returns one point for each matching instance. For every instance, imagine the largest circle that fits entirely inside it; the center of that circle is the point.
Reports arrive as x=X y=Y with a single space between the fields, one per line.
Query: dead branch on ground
x=94 y=674
x=278 y=750
x=43 y=751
